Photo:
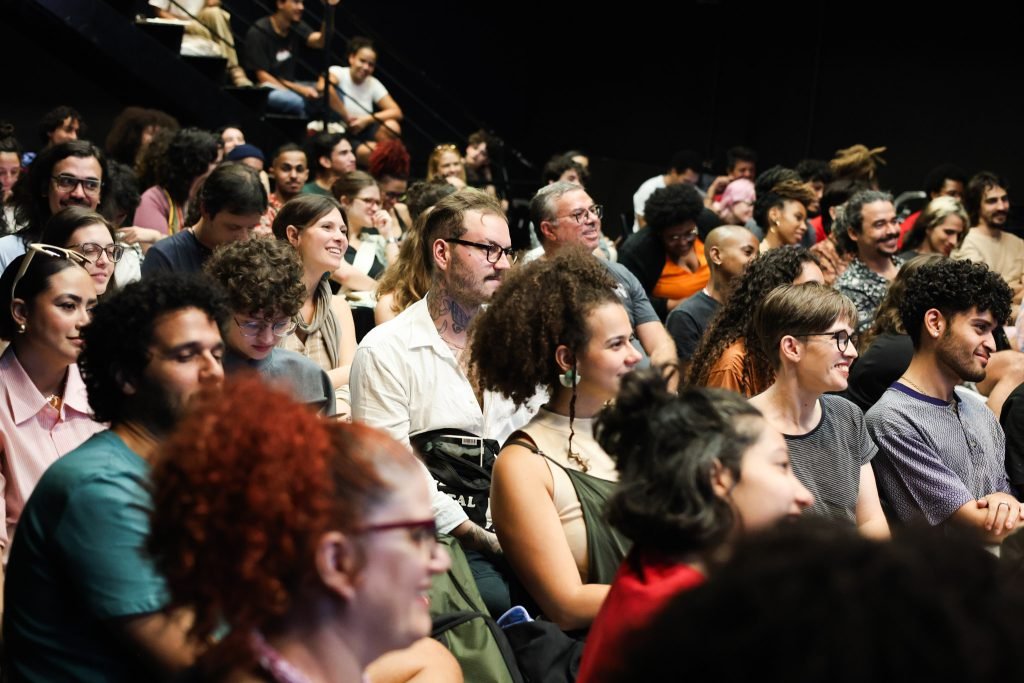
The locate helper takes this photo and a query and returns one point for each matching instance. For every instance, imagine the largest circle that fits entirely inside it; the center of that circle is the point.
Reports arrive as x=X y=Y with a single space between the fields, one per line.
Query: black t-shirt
x=181 y=253
x=886 y=359
x=267 y=51
x=688 y=321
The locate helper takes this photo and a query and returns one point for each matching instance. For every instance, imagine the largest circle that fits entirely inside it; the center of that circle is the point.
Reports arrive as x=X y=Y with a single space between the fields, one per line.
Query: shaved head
x=731 y=248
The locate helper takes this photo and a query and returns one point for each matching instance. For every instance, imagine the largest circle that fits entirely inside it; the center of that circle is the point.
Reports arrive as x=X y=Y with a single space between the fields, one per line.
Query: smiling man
x=988 y=205
x=84 y=602
x=232 y=202
x=941 y=452
x=873 y=233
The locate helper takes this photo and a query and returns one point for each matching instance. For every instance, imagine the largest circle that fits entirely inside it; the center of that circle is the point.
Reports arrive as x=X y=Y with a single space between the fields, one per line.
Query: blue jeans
x=284 y=101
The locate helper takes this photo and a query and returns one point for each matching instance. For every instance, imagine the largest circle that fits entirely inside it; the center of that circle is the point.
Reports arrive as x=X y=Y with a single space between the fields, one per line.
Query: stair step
x=211 y=67
x=253 y=98
x=294 y=127
x=167 y=33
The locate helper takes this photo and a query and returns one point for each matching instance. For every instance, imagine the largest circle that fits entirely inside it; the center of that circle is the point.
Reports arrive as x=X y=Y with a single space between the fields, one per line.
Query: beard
x=958 y=359
x=466 y=287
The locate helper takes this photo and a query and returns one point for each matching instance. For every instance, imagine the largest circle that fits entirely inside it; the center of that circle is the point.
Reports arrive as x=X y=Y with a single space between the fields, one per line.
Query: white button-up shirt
x=406 y=380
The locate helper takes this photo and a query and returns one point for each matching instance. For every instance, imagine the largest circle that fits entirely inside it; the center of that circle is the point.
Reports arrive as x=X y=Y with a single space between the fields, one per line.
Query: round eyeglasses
x=92 y=251
x=253 y=328
x=841 y=337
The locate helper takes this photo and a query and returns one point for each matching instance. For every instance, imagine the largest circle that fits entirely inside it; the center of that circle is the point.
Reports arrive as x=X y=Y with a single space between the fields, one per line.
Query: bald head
x=729 y=248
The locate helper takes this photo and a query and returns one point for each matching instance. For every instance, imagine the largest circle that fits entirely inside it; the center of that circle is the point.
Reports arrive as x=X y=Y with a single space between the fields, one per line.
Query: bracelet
x=392 y=240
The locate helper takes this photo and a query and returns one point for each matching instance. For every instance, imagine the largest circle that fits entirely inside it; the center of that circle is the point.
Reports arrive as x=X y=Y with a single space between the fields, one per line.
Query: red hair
x=243 y=492
x=390 y=158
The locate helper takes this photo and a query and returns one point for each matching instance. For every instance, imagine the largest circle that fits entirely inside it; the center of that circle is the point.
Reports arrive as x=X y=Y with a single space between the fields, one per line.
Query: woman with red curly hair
x=311 y=541
x=389 y=166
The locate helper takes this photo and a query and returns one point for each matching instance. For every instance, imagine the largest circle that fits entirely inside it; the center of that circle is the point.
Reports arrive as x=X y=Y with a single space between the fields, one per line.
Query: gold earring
x=21 y=328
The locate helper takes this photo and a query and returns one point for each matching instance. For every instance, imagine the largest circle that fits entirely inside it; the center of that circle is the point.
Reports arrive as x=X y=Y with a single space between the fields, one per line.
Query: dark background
x=628 y=83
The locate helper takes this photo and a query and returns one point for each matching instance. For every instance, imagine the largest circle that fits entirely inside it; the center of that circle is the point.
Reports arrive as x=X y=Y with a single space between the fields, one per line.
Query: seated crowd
x=264 y=417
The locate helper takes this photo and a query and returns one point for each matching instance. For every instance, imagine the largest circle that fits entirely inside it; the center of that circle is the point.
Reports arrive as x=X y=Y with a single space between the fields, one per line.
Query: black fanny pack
x=461 y=463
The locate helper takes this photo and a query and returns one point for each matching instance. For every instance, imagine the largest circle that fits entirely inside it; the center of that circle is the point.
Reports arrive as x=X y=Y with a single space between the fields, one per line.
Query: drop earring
x=569 y=379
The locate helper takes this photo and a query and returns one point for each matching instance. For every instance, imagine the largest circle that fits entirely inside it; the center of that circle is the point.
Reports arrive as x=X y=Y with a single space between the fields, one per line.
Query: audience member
x=389 y=165
x=817 y=174
x=729 y=250
x=180 y=170
x=68 y=174
x=858 y=163
x=330 y=156
x=938 y=230
x=696 y=472
x=325 y=331
x=84 y=601
x=921 y=608
x=564 y=169
x=684 y=167
x=46 y=297
x=828 y=248
x=90 y=235
x=409 y=375
x=988 y=205
x=369 y=112
x=372 y=236
x=271 y=47
x=347 y=542
x=782 y=213
x=740 y=162
x=229 y=137
x=563 y=214
x=806 y=331
x=737 y=204
x=263 y=282
x=483 y=155
x=232 y=201
x=133 y=130
x=723 y=358
x=552 y=479
x=10 y=169
x=872 y=233
x=446 y=162
x=207 y=33
x=59 y=125
x=941 y=451
x=945 y=180
x=289 y=171
x=667 y=257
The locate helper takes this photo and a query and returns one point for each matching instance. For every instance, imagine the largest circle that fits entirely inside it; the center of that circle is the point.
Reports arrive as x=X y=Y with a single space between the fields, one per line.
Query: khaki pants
x=215 y=25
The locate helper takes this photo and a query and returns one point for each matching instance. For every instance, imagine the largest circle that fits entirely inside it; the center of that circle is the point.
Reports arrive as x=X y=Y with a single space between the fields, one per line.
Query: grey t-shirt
x=634 y=298
x=827 y=459
x=306 y=380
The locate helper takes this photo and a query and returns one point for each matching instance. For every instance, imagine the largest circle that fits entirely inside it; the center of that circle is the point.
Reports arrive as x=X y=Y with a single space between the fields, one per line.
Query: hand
x=333 y=2
x=381 y=220
x=358 y=123
x=456 y=181
x=213 y=3
x=718 y=185
x=136 y=235
x=308 y=91
x=1004 y=512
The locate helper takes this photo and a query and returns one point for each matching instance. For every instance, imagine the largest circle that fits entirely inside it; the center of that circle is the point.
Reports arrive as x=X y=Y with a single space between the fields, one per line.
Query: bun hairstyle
x=667 y=448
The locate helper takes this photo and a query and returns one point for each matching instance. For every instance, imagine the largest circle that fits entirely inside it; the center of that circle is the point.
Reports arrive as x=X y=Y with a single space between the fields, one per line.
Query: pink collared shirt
x=33 y=435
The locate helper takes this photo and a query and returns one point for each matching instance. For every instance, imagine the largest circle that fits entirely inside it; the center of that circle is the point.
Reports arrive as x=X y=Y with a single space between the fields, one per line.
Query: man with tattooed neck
x=410 y=375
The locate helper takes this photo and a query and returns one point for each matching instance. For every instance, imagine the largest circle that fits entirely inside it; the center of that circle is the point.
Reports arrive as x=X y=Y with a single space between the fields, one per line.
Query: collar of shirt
x=26 y=400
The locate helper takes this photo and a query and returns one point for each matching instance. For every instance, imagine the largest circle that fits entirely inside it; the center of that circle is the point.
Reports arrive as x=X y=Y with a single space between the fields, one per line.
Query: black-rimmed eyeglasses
x=68 y=183
x=580 y=215
x=492 y=252
x=841 y=337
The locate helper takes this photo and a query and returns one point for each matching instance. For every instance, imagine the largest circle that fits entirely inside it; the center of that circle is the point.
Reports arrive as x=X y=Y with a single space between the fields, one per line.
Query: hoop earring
x=569 y=379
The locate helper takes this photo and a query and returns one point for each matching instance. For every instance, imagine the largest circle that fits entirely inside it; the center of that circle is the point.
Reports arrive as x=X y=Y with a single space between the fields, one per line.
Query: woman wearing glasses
x=310 y=576
x=45 y=299
x=263 y=281
x=558 y=324
x=806 y=334
x=325 y=331
x=92 y=236
x=372 y=236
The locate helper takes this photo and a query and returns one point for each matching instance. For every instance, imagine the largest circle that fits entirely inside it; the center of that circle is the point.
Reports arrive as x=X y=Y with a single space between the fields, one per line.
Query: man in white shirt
x=684 y=168
x=409 y=375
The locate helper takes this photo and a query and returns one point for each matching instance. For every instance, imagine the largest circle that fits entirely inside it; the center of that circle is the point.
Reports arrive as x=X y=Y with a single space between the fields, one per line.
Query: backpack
x=461 y=623
x=461 y=464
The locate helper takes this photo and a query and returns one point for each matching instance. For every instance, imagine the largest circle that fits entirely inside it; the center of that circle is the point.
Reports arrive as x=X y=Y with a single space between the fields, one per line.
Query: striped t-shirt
x=827 y=459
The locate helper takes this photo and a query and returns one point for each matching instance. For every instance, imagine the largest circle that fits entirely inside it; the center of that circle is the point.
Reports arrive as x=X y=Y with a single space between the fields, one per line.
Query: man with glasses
x=84 y=602
x=232 y=202
x=67 y=174
x=807 y=334
x=873 y=234
x=941 y=451
x=263 y=282
x=564 y=214
x=410 y=375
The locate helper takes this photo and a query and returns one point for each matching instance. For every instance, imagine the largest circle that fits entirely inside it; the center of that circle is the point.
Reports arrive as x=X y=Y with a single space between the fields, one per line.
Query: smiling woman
x=46 y=297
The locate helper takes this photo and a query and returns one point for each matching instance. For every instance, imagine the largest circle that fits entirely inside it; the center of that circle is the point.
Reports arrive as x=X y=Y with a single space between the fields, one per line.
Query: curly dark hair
x=853 y=217
x=389 y=159
x=125 y=137
x=734 y=321
x=859 y=606
x=953 y=286
x=671 y=206
x=666 y=447
x=116 y=342
x=54 y=119
x=236 y=540
x=768 y=179
x=121 y=197
x=572 y=284
x=778 y=195
x=188 y=156
x=975 y=191
x=259 y=275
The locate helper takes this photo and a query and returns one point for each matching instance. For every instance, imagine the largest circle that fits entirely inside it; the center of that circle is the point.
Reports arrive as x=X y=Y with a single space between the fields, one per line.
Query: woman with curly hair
x=696 y=471
x=938 y=230
x=551 y=478
x=263 y=282
x=311 y=576
x=782 y=211
x=325 y=331
x=389 y=166
x=372 y=235
x=723 y=358
x=190 y=156
x=133 y=130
